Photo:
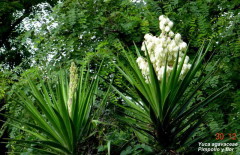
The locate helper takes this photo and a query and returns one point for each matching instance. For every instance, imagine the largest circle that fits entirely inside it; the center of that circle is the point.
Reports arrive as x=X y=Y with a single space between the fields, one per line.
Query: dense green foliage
x=86 y=31
x=12 y=14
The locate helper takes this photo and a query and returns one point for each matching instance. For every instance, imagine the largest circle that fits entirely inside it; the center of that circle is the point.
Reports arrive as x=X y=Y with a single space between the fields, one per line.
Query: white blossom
x=171 y=34
x=170 y=24
x=167 y=28
x=183 y=46
x=158 y=48
x=177 y=37
x=161 y=17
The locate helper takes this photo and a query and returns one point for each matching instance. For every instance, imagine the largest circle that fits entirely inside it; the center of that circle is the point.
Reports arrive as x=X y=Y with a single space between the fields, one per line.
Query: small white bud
x=171 y=34
x=152 y=58
x=183 y=46
x=142 y=65
x=140 y=59
x=163 y=21
x=173 y=43
x=170 y=24
x=161 y=17
x=147 y=36
x=177 y=37
x=186 y=60
x=167 y=28
x=162 y=27
x=143 y=48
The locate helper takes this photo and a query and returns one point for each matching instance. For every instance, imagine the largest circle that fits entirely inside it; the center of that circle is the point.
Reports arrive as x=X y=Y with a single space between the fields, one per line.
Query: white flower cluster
x=166 y=46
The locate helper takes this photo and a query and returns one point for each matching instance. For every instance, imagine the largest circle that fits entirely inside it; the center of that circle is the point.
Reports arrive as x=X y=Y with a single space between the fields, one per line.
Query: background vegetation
x=49 y=35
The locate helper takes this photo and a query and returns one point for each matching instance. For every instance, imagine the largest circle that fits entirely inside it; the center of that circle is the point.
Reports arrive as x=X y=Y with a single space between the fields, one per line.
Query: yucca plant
x=61 y=111
x=156 y=104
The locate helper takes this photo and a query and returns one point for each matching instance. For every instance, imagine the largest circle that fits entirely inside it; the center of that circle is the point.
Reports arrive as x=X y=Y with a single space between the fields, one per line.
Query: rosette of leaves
x=161 y=112
x=62 y=109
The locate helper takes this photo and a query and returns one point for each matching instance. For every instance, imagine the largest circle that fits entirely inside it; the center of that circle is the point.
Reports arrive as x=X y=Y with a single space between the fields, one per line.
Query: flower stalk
x=72 y=86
